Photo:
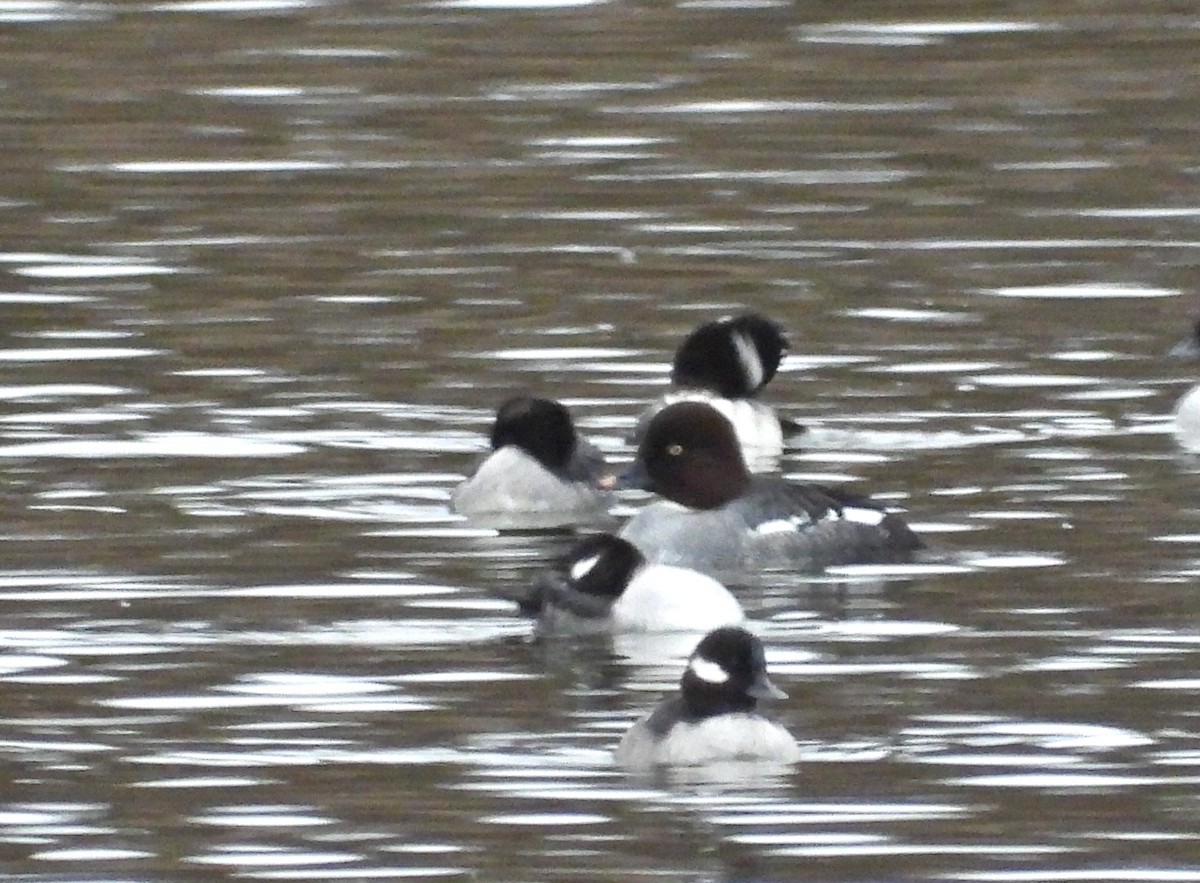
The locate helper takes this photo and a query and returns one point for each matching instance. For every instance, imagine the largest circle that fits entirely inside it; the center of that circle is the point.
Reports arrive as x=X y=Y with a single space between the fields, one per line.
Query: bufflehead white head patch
x=583 y=566
x=708 y=671
x=749 y=359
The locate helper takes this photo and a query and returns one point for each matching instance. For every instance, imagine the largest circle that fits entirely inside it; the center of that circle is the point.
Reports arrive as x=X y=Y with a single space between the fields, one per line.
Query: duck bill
x=608 y=482
x=762 y=688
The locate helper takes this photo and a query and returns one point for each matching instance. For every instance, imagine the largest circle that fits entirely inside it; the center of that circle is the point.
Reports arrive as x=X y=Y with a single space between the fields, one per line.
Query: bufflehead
x=714 y=715
x=539 y=474
x=1187 y=409
x=720 y=519
x=605 y=584
x=726 y=363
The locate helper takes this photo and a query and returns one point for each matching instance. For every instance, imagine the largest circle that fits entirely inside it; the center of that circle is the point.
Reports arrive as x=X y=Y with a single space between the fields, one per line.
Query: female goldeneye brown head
x=690 y=455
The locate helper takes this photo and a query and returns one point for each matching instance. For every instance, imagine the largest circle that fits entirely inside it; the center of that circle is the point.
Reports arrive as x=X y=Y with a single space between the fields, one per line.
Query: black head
x=587 y=580
x=691 y=455
x=734 y=357
x=726 y=672
x=540 y=427
x=601 y=564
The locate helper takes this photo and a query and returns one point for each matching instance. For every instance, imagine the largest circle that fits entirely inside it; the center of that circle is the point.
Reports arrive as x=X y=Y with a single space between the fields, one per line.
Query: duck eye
x=674 y=450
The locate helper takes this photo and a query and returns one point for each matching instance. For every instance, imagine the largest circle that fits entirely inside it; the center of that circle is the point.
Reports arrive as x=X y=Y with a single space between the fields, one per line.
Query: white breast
x=715 y=739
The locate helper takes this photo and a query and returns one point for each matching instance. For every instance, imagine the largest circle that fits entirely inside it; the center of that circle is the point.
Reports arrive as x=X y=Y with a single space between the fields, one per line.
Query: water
x=268 y=267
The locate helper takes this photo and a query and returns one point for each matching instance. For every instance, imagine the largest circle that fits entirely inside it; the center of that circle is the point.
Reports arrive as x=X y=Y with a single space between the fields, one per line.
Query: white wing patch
x=747 y=354
x=791 y=524
x=861 y=515
x=582 y=567
x=796 y=523
x=856 y=514
x=708 y=671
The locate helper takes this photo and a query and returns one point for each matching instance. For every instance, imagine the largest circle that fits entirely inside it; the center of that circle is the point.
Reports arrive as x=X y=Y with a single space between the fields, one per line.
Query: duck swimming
x=714 y=717
x=539 y=474
x=720 y=519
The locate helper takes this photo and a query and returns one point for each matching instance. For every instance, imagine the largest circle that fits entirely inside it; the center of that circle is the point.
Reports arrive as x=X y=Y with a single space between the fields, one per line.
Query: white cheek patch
x=583 y=566
x=708 y=671
x=747 y=354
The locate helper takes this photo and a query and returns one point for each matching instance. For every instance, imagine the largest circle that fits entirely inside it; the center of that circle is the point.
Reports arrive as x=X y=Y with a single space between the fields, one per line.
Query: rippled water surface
x=268 y=266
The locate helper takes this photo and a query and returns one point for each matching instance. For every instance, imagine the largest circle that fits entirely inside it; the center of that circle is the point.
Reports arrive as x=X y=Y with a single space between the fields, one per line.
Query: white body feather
x=665 y=598
x=724 y=737
x=511 y=485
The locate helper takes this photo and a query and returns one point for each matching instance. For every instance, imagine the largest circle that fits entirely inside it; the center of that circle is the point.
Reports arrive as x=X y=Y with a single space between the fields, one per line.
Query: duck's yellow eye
x=674 y=450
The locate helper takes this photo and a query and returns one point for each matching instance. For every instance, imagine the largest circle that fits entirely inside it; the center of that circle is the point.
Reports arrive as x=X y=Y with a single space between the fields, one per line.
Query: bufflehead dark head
x=601 y=565
x=735 y=356
x=726 y=672
x=540 y=427
x=587 y=580
x=691 y=455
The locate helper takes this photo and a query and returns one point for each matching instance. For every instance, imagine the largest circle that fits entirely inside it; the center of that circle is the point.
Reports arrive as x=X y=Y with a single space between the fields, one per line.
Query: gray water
x=268 y=266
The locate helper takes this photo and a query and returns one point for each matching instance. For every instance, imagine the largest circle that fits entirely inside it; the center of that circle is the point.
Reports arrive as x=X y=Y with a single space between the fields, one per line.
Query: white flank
x=663 y=598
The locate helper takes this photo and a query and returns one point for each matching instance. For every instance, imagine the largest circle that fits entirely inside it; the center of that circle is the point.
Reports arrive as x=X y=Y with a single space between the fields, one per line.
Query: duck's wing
x=855 y=507
x=555 y=589
x=783 y=506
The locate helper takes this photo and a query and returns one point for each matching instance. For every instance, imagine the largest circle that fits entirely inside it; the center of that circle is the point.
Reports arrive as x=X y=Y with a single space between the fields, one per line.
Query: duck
x=1187 y=408
x=719 y=518
x=714 y=716
x=604 y=584
x=539 y=473
x=726 y=363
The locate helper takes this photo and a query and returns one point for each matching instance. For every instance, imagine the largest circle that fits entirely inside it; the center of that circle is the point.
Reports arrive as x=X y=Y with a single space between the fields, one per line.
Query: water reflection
x=263 y=299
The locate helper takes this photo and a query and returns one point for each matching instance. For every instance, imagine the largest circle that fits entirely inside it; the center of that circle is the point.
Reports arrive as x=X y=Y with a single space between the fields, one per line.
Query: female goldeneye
x=605 y=584
x=1187 y=409
x=726 y=363
x=539 y=474
x=714 y=715
x=719 y=518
